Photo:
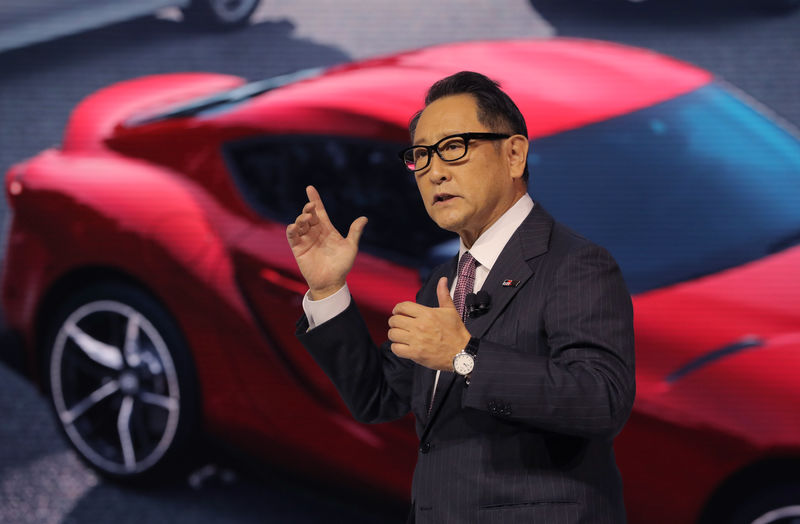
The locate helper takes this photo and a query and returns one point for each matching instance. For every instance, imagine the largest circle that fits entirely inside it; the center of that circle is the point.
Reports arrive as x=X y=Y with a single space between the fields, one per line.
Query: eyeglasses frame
x=435 y=147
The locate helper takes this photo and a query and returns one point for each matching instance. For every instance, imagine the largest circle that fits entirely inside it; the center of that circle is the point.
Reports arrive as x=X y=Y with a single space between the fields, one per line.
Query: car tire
x=219 y=14
x=775 y=505
x=122 y=383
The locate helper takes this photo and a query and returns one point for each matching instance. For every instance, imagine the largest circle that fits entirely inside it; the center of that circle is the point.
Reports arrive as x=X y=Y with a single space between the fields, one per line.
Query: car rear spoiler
x=225 y=98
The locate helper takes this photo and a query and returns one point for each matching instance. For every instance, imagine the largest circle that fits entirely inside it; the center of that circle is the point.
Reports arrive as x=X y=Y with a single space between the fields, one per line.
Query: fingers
x=409 y=309
x=313 y=194
x=310 y=213
x=307 y=219
x=443 y=294
x=300 y=227
x=356 y=228
x=401 y=336
x=401 y=322
x=291 y=232
x=401 y=350
x=314 y=198
x=296 y=231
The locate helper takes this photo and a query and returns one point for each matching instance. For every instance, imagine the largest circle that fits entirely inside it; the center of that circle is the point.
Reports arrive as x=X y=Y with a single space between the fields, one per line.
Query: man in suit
x=517 y=391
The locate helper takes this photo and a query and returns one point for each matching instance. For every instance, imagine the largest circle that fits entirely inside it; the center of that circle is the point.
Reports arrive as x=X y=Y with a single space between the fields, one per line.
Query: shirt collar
x=488 y=246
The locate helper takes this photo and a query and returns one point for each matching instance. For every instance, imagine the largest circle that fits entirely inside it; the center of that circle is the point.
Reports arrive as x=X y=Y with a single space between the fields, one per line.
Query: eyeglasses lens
x=452 y=149
x=416 y=158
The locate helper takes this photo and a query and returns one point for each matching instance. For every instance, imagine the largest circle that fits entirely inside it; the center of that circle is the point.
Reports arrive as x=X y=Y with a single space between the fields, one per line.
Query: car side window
x=354 y=176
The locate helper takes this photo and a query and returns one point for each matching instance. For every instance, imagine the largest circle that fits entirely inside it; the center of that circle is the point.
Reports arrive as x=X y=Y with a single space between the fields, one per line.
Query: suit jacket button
x=425 y=447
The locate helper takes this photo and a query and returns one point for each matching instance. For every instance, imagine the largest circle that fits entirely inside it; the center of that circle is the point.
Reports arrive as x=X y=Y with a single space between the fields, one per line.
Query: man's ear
x=517 y=154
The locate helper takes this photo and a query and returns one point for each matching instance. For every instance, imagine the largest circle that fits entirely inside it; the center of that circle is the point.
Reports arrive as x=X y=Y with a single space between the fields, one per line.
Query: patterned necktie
x=464 y=286
x=465 y=283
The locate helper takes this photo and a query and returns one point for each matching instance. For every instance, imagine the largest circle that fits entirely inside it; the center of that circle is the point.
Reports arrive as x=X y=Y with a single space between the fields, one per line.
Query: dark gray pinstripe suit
x=530 y=438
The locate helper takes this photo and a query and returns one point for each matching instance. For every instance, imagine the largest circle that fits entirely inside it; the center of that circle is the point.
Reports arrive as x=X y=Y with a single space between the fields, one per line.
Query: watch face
x=463 y=364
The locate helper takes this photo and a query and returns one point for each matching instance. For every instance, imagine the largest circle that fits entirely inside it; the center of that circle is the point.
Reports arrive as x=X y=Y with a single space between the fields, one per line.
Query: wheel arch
x=760 y=475
x=108 y=280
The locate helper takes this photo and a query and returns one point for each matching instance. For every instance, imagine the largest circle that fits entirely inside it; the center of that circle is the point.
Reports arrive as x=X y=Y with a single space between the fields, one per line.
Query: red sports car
x=148 y=274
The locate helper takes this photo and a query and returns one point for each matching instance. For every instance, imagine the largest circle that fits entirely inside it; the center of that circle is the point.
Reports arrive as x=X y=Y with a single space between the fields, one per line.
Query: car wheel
x=122 y=382
x=776 y=505
x=220 y=13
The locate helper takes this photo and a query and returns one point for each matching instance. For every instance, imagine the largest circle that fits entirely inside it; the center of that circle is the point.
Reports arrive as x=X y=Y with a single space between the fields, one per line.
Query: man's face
x=468 y=195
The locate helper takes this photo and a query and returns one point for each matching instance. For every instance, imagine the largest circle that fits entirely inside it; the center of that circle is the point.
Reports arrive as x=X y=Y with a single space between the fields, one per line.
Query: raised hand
x=323 y=255
x=430 y=337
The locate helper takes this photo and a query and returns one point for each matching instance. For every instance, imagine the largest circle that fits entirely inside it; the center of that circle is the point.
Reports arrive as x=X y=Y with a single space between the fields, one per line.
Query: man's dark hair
x=496 y=110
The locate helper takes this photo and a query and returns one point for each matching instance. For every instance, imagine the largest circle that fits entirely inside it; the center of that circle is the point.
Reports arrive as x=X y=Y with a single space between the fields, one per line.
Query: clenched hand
x=429 y=336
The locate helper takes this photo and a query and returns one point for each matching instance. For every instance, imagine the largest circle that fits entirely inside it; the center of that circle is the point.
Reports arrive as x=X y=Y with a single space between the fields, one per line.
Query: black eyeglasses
x=449 y=149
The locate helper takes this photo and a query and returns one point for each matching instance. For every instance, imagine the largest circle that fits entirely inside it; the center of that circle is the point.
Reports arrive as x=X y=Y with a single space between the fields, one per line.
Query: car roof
x=559 y=84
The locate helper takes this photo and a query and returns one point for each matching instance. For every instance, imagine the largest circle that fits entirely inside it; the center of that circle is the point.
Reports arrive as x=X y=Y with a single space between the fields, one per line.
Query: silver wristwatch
x=464 y=362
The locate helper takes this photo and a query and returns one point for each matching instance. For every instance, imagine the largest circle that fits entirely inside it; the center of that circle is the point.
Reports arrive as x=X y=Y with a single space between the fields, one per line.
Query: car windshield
x=679 y=190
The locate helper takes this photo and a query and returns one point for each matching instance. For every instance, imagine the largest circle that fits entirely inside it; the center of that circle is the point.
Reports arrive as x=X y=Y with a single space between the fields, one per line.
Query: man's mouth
x=442 y=197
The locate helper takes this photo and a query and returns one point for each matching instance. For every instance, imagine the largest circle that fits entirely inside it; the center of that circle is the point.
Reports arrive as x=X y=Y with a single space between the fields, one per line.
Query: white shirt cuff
x=320 y=311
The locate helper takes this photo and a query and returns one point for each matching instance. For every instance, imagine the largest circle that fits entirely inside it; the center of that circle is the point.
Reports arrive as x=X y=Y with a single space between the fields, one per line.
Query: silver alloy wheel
x=231 y=11
x=114 y=387
x=787 y=514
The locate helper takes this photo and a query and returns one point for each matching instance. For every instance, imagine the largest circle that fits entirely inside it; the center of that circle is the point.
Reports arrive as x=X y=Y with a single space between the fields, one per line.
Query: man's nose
x=438 y=170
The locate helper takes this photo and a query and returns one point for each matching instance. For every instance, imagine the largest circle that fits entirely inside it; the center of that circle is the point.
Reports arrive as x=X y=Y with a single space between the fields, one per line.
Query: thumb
x=356 y=228
x=443 y=293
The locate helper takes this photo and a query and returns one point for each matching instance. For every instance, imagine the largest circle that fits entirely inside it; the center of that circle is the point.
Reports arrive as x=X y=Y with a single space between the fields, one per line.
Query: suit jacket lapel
x=530 y=240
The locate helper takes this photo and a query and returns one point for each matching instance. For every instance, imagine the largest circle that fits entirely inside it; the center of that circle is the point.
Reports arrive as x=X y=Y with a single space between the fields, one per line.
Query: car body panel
x=683 y=413
x=755 y=301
